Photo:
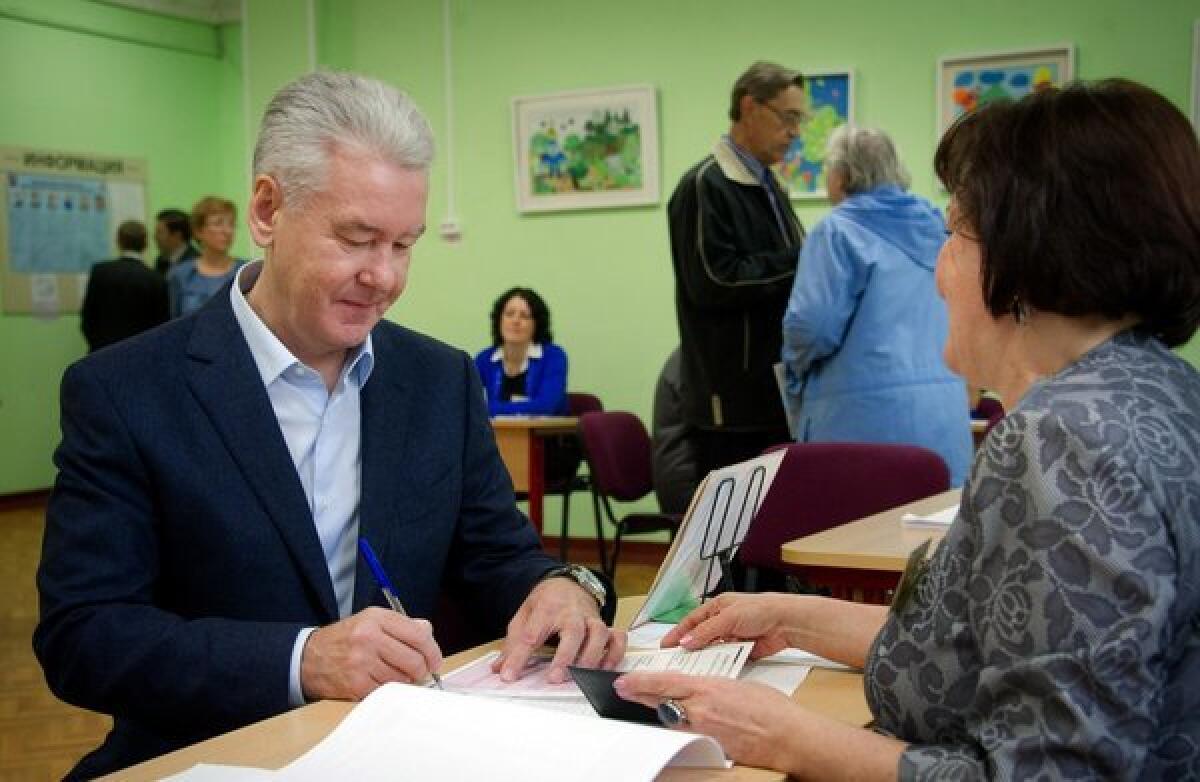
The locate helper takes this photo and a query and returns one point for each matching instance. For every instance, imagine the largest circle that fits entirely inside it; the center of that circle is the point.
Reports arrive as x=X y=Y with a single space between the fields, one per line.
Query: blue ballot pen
x=389 y=591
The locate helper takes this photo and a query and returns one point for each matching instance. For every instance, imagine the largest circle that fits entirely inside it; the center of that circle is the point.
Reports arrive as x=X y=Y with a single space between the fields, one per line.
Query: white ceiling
x=211 y=11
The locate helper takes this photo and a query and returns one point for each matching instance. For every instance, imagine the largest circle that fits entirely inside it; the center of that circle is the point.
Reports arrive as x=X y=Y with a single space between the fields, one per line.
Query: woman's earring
x=1019 y=312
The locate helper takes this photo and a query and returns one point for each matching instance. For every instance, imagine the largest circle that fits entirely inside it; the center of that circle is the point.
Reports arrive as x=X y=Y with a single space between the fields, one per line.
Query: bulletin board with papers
x=59 y=215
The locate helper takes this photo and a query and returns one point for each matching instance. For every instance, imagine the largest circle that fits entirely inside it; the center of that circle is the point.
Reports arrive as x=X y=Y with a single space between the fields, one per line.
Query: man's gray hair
x=320 y=110
x=866 y=158
x=762 y=81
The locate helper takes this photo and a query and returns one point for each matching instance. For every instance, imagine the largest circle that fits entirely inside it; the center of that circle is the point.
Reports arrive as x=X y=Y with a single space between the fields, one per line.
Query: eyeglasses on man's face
x=789 y=118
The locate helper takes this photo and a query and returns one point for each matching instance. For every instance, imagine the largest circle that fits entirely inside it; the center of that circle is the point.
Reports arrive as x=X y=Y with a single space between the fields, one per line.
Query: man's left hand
x=558 y=605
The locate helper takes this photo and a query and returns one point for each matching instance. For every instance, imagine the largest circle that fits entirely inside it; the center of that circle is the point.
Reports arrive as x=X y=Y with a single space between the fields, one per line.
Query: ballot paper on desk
x=715 y=525
x=477 y=678
x=936 y=520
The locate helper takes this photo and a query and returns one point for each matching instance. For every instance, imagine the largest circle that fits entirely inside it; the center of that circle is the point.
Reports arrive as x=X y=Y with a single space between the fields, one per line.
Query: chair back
x=580 y=402
x=564 y=454
x=823 y=485
x=617 y=447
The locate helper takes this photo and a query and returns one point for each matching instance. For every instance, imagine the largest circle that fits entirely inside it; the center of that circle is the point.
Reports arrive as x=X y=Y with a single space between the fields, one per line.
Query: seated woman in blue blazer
x=524 y=372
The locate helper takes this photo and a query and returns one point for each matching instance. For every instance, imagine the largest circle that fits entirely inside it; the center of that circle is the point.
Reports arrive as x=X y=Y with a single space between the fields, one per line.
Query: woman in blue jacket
x=524 y=372
x=864 y=328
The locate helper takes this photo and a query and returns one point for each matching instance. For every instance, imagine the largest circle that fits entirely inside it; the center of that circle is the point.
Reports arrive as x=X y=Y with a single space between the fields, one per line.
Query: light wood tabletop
x=879 y=542
x=275 y=742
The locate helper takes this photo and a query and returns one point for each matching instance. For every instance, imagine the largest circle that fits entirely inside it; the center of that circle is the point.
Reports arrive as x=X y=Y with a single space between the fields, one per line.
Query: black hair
x=177 y=222
x=1084 y=202
x=537 y=307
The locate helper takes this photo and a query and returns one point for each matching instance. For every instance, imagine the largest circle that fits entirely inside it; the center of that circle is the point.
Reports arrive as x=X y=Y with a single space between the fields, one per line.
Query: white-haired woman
x=864 y=328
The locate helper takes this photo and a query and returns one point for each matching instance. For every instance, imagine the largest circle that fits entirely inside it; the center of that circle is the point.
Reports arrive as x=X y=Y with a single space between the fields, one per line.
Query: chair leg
x=564 y=539
x=620 y=529
x=600 y=546
x=616 y=552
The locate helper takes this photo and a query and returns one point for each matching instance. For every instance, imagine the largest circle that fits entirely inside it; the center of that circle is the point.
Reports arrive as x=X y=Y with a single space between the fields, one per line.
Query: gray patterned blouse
x=1056 y=631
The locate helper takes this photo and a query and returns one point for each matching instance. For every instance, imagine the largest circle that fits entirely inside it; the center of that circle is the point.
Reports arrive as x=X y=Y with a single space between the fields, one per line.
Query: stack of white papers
x=939 y=519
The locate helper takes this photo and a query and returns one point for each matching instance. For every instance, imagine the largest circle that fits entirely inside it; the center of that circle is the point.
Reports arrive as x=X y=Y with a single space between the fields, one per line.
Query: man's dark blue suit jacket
x=180 y=557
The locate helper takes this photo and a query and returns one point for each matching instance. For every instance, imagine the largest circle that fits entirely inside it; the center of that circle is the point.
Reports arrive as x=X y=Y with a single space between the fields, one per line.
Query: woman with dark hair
x=1055 y=632
x=524 y=372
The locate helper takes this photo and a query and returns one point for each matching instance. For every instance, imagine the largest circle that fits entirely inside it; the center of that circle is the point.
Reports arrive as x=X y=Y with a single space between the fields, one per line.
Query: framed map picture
x=831 y=102
x=969 y=81
x=587 y=149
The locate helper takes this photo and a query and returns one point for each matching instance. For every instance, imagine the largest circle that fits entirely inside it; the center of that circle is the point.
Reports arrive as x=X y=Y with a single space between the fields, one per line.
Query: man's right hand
x=347 y=660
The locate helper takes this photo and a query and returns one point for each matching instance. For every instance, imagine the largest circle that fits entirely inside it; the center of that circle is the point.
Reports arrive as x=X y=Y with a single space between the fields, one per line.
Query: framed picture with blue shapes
x=966 y=82
x=586 y=149
x=830 y=94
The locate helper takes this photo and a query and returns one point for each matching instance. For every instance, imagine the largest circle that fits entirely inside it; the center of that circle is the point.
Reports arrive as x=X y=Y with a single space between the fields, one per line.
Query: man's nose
x=380 y=272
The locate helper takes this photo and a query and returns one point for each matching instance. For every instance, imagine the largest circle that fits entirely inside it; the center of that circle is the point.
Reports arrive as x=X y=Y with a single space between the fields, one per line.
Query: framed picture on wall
x=586 y=149
x=966 y=82
x=830 y=96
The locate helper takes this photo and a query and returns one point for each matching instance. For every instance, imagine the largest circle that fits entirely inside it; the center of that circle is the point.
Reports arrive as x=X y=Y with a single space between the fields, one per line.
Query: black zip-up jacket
x=733 y=276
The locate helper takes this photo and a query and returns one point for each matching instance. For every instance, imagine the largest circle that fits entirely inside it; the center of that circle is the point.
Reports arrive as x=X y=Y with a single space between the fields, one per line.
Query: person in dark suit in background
x=173 y=235
x=123 y=296
x=199 y=566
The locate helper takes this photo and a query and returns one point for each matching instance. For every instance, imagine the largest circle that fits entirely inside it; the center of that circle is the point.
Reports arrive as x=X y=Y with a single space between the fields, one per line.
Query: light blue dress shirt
x=323 y=433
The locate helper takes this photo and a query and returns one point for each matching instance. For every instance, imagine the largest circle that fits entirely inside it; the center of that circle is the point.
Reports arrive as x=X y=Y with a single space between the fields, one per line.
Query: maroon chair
x=824 y=485
x=563 y=458
x=618 y=452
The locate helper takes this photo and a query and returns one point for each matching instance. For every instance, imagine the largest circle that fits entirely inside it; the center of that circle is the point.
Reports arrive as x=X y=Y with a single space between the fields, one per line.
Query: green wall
x=605 y=273
x=85 y=77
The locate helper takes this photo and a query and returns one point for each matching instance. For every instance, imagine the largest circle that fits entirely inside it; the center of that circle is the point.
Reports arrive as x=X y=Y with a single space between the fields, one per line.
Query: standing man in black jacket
x=124 y=296
x=735 y=241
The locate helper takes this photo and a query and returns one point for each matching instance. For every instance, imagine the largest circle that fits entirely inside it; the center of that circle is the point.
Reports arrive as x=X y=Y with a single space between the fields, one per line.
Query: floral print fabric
x=1055 y=633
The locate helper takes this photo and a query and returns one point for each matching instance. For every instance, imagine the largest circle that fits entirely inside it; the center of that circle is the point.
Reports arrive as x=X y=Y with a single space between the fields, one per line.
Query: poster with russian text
x=59 y=217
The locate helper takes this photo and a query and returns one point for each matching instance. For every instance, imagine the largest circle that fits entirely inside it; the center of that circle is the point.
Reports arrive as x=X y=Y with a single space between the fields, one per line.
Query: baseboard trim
x=24 y=499
x=636 y=552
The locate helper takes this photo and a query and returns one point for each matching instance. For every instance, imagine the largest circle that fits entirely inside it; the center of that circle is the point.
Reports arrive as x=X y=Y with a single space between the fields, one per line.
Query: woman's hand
x=736 y=617
x=754 y=724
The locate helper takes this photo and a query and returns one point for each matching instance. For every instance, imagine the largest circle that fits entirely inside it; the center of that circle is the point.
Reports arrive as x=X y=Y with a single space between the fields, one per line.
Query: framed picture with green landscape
x=966 y=82
x=586 y=149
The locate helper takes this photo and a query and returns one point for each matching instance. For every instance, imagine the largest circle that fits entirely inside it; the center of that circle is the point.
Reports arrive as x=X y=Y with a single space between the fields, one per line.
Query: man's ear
x=265 y=203
x=746 y=105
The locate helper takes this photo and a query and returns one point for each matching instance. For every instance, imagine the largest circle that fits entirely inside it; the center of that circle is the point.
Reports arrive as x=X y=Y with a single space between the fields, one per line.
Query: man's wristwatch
x=584 y=577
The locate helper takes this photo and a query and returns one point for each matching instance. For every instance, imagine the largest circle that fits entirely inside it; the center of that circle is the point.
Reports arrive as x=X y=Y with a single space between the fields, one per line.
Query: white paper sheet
x=208 y=772
x=401 y=732
x=941 y=518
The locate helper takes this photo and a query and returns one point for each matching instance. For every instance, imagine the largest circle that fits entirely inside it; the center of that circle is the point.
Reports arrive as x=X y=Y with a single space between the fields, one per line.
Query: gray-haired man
x=199 y=568
x=735 y=242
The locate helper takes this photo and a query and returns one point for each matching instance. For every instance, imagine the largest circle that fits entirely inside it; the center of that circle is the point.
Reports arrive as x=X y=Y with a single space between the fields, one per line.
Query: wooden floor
x=41 y=737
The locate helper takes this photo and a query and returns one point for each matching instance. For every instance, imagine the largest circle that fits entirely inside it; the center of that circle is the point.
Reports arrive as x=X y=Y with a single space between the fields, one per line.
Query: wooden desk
x=275 y=742
x=522 y=447
x=878 y=542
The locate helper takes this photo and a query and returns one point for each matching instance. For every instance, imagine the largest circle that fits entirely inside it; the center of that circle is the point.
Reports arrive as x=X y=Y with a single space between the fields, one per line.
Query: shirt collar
x=534 y=351
x=270 y=355
x=749 y=161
